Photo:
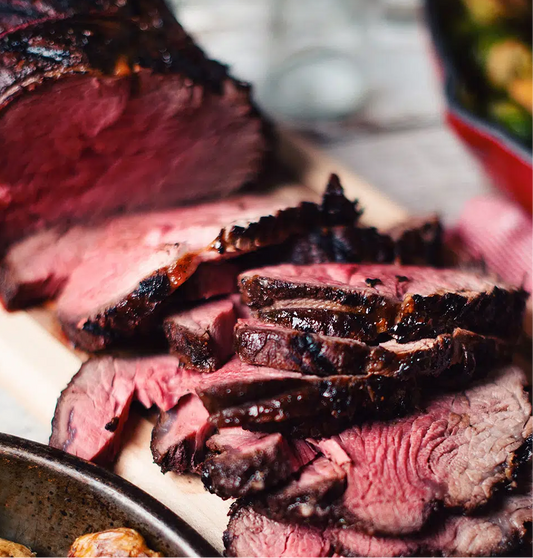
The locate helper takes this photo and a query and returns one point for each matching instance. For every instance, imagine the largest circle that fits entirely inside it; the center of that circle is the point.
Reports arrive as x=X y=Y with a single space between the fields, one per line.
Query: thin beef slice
x=244 y=463
x=126 y=113
x=93 y=408
x=137 y=266
x=178 y=438
x=264 y=344
x=265 y=399
x=364 y=301
x=455 y=453
x=494 y=533
x=202 y=336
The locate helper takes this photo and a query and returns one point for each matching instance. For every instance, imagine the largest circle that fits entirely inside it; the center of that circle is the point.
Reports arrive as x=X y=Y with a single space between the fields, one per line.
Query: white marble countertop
x=397 y=142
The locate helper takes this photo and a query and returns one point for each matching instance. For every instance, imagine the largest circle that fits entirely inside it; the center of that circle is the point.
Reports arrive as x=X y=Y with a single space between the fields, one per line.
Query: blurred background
x=358 y=77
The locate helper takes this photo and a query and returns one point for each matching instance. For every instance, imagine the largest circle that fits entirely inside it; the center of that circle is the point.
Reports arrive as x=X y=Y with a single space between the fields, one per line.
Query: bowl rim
x=127 y=496
x=451 y=79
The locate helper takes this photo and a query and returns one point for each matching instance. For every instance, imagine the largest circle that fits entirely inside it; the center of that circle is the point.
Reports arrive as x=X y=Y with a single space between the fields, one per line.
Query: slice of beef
x=93 y=408
x=417 y=242
x=267 y=399
x=315 y=489
x=137 y=266
x=37 y=267
x=178 y=438
x=455 y=454
x=388 y=383
x=202 y=336
x=271 y=345
x=129 y=112
x=364 y=301
x=494 y=533
x=252 y=534
x=244 y=463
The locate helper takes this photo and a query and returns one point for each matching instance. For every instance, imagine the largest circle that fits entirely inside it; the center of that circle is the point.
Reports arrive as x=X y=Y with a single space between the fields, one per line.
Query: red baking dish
x=505 y=159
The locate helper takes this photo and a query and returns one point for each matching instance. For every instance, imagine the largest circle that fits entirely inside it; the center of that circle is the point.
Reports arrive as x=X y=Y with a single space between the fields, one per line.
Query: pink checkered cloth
x=498 y=232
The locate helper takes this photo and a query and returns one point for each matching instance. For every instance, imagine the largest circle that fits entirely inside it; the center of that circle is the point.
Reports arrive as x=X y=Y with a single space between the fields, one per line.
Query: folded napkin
x=499 y=233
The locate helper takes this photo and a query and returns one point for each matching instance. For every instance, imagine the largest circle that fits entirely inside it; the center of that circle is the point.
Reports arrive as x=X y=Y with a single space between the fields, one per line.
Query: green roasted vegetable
x=513 y=118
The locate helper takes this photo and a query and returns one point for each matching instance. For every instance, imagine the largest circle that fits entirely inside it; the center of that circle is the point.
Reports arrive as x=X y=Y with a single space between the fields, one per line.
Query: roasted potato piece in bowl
x=113 y=542
x=8 y=548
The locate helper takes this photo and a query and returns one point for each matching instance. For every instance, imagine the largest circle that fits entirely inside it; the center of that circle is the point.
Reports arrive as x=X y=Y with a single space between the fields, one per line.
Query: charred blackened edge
x=498 y=312
x=337 y=323
x=177 y=457
x=228 y=475
x=333 y=403
x=315 y=504
x=196 y=351
x=270 y=229
x=147 y=37
x=259 y=292
x=122 y=320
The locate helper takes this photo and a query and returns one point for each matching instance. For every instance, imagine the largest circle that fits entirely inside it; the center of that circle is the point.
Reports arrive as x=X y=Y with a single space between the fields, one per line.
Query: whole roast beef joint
x=126 y=112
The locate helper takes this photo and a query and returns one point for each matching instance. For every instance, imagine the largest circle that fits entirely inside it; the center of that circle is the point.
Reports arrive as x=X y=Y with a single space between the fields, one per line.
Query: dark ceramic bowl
x=504 y=158
x=49 y=498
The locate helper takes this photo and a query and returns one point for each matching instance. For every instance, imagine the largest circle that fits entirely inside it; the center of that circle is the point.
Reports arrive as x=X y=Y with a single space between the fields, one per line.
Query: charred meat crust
x=368 y=314
x=231 y=476
x=317 y=406
x=195 y=351
x=413 y=243
x=120 y=321
x=112 y=46
x=319 y=355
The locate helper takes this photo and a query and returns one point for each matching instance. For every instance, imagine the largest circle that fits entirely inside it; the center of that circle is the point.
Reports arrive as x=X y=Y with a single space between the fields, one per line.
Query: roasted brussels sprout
x=513 y=118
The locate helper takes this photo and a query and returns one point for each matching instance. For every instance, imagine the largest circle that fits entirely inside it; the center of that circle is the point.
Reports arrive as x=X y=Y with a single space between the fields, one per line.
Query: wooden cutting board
x=36 y=364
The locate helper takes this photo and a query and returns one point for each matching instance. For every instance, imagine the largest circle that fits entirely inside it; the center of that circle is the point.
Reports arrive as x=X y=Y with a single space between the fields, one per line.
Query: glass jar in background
x=314 y=73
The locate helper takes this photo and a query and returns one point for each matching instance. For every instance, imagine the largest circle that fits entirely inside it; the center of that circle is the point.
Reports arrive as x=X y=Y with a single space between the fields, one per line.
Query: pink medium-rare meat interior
x=84 y=146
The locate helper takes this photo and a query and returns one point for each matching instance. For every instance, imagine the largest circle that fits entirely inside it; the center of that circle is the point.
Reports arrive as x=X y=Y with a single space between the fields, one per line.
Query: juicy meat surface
x=364 y=301
x=496 y=532
x=202 y=336
x=261 y=398
x=455 y=453
x=178 y=438
x=244 y=463
x=93 y=408
x=315 y=489
x=128 y=113
x=271 y=345
x=139 y=263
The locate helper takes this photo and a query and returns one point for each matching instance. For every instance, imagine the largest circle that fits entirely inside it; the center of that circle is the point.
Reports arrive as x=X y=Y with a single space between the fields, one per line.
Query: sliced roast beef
x=244 y=463
x=271 y=345
x=267 y=399
x=364 y=301
x=252 y=534
x=496 y=532
x=417 y=242
x=94 y=407
x=202 y=336
x=178 y=438
x=315 y=489
x=129 y=113
x=455 y=453
x=134 y=269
